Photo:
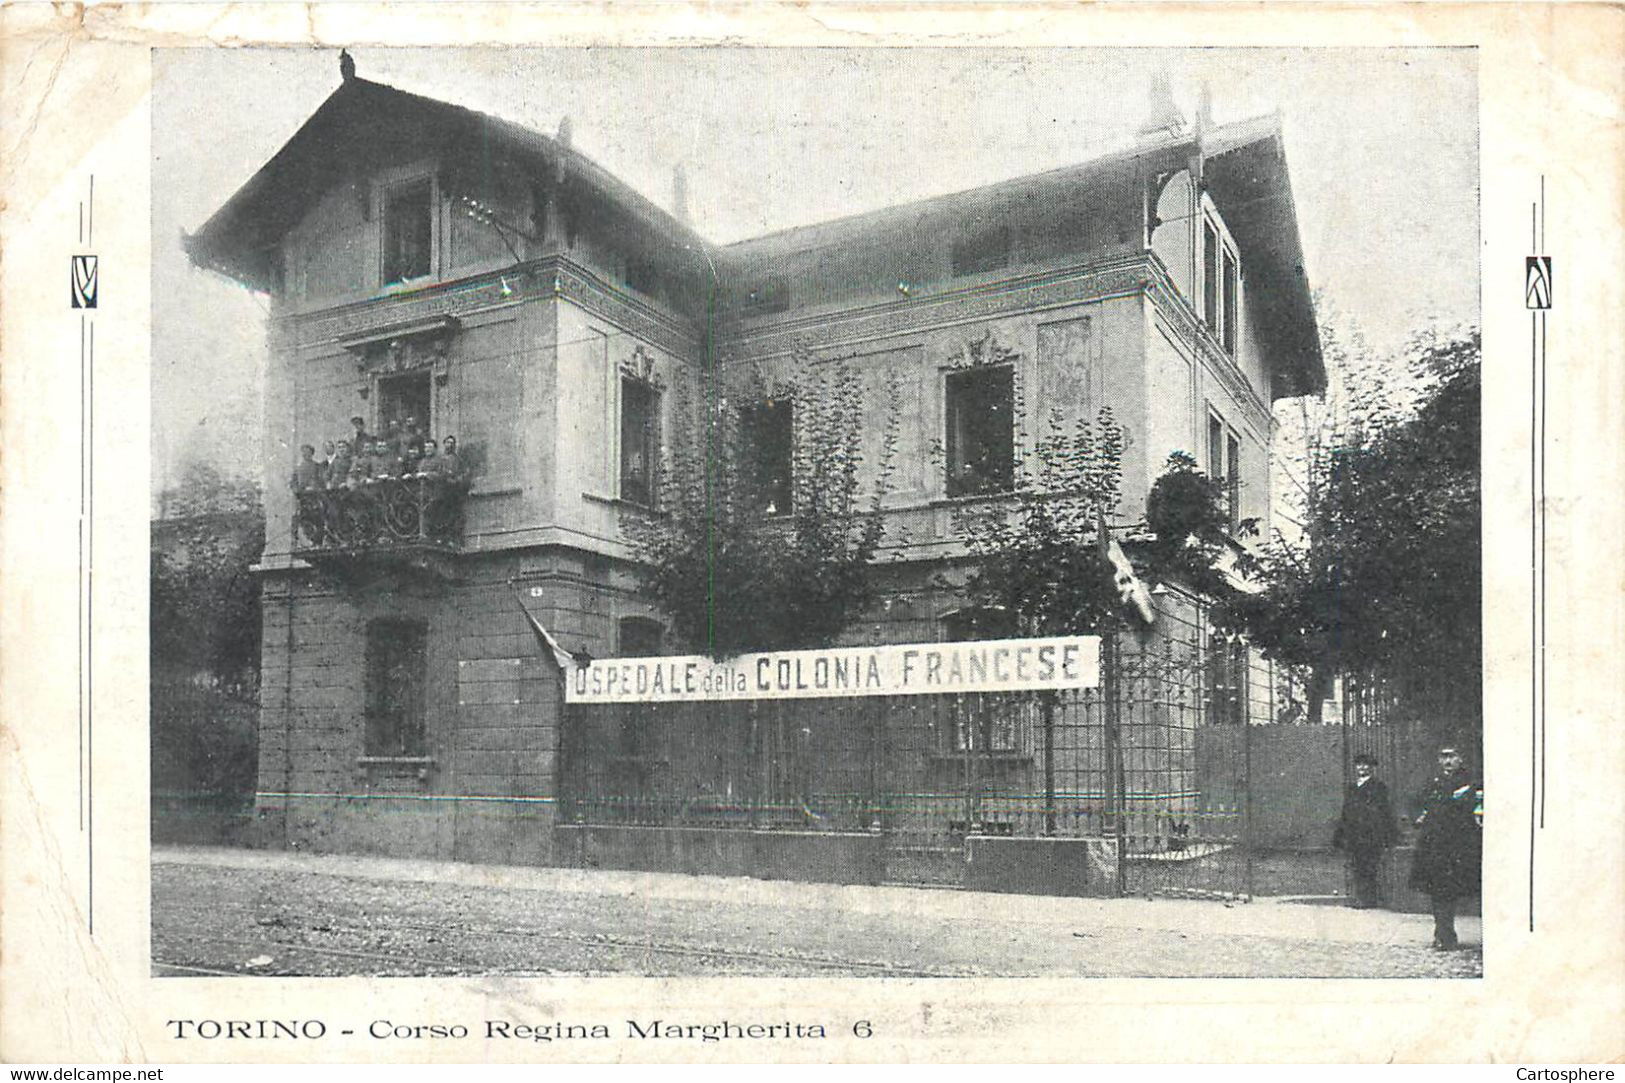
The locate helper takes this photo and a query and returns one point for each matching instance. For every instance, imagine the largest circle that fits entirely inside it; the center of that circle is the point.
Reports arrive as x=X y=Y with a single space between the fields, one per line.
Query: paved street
x=219 y=911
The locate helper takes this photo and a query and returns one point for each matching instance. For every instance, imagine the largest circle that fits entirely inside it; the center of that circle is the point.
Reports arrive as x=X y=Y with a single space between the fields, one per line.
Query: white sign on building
x=909 y=669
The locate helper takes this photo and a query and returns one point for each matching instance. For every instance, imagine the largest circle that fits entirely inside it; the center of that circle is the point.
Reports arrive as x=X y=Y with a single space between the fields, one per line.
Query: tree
x=205 y=614
x=1384 y=580
x=1040 y=562
x=204 y=638
x=735 y=569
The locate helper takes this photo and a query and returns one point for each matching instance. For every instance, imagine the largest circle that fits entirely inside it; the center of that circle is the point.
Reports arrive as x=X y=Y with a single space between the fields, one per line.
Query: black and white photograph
x=543 y=535
x=837 y=512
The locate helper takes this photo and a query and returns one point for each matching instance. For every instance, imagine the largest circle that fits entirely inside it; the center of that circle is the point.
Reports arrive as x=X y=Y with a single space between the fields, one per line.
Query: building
x=427 y=261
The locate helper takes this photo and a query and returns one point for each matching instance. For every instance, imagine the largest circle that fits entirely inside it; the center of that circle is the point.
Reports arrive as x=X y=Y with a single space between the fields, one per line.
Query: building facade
x=425 y=261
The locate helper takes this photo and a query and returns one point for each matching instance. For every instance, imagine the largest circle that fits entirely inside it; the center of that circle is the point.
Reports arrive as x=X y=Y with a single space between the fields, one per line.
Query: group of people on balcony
x=404 y=450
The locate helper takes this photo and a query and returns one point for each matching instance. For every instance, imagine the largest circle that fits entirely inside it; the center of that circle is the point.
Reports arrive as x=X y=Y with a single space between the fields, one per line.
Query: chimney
x=679 y=193
x=346 y=65
x=1162 y=115
x=564 y=130
x=1204 y=109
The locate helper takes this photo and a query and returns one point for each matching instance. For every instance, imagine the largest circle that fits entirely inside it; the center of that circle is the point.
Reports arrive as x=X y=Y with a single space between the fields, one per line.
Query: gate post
x=1047 y=699
x=1116 y=800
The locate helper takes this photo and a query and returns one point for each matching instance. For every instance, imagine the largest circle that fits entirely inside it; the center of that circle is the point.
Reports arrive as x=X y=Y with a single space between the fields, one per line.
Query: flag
x=1130 y=591
x=561 y=656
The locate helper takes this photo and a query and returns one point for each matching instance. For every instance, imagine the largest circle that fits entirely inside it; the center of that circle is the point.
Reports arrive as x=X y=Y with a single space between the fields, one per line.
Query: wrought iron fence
x=423 y=510
x=1146 y=761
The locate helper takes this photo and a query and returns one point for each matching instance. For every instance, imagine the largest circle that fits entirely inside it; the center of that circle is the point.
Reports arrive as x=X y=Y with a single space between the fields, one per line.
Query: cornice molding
x=1182 y=320
x=1079 y=284
x=552 y=278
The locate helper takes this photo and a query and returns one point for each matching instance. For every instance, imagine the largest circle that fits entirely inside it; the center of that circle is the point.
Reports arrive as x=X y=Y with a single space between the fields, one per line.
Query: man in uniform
x=307 y=474
x=1450 y=848
x=307 y=484
x=451 y=464
x=1365 y=829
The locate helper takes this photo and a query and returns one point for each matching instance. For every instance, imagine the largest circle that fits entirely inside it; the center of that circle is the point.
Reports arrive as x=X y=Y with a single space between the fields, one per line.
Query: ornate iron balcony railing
x=382 y=514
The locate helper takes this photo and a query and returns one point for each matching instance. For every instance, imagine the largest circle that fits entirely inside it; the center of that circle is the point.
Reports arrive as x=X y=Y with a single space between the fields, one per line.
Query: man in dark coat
x=1450 y=847
x=1365 y=829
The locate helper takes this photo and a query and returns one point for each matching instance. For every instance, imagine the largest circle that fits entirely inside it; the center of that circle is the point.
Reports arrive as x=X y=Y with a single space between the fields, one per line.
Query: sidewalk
x=1274 y=919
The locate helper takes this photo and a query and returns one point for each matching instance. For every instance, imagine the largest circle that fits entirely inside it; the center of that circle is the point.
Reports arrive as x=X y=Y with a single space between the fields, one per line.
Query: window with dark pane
x=1215 y=449
x=640 y=637
x=1210 y=275
x=397 y=664
x=1231 y=286
x=408 y=228
x=769 y=430
x=981 y=430
x=639 y=440
x=1232 y=480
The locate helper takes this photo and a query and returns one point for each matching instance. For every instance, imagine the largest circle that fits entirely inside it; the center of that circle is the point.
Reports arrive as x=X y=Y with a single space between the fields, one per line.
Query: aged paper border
x=76 y=83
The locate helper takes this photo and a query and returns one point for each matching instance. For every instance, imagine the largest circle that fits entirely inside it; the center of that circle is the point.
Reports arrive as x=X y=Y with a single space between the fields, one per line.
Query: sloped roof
x=240 y=238
x=1245 y=172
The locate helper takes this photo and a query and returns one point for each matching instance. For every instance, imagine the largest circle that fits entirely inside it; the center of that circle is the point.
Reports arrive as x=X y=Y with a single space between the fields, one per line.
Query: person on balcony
x=412 y=437
x=451 y=463
x=308 y=475
x=412 y=461
x=361 y=465
x=338 y=465
x=307 y=484
x=385 y=462
x=431 y=465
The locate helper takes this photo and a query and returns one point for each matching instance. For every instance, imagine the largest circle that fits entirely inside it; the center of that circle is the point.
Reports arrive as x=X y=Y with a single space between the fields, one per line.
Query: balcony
x=415 y=520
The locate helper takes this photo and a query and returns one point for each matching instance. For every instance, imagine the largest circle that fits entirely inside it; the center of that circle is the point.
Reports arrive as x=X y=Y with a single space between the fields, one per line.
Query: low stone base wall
x=431 y=827
x=1043 y=866
x=818 y=857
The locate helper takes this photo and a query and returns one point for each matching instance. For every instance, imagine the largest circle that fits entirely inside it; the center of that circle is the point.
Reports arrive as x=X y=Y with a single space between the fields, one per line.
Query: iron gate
x=1146 y=763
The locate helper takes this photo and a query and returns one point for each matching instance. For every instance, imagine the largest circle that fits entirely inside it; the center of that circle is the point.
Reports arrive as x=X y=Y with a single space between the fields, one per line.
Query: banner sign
x=910 y=669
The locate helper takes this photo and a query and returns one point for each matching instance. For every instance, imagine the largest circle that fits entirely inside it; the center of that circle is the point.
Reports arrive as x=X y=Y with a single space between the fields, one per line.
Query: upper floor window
x=981 y=430
x=396 y=661
x=1221 y=285
x=1231 y=286
x=985 y=250
x=769 y=430
x=640 y=439
x=408 y=231
x=1224 y=466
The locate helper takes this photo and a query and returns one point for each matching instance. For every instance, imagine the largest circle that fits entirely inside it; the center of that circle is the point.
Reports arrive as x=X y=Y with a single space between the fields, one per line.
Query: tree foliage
x=205 y=607
x=736 y=572
x=1040 y=561
x=1385 y=576
x=1186 y=514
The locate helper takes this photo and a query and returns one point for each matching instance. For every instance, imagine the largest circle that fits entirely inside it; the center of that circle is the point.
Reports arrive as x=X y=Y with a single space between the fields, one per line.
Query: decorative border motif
x=555 y=276
x=1052 y=289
